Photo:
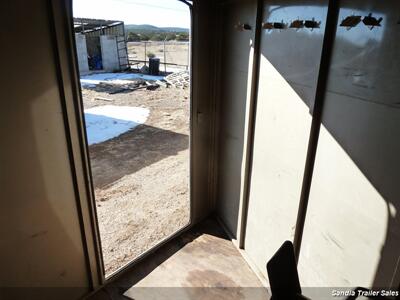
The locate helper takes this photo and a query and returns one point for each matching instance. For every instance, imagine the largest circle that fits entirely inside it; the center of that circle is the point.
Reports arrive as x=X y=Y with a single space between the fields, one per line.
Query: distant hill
x=145 y=28
x=135 y=33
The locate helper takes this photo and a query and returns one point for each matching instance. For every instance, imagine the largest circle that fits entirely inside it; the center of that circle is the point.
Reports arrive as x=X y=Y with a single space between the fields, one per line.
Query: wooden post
x=165 y=59
x=145 y=54
x=188 y=57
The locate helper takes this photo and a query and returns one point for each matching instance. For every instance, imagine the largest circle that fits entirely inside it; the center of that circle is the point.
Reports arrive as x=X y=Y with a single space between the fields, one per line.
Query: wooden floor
x=198 y=265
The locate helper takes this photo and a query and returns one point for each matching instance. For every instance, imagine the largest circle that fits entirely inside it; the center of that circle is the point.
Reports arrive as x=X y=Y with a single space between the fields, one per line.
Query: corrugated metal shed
x=97 y=27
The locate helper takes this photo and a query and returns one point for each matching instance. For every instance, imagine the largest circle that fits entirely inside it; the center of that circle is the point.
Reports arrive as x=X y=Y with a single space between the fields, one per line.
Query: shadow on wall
x=132 y=151
x=362 y=114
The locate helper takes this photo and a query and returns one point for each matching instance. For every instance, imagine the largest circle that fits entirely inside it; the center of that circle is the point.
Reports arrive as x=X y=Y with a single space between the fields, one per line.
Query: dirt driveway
x=141 y=177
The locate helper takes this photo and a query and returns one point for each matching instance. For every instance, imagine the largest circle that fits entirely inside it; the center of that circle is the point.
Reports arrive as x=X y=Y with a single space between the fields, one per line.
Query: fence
x=173 y=55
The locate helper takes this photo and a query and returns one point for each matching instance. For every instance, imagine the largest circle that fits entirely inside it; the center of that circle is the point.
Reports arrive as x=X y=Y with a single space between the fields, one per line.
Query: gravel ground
x=141 y=177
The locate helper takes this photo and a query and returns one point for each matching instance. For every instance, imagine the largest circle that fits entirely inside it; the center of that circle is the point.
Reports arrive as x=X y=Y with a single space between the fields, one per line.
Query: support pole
x=251 y=125
x=316 y=111
x=145 y=54
x=188 y=56
x=165 y=59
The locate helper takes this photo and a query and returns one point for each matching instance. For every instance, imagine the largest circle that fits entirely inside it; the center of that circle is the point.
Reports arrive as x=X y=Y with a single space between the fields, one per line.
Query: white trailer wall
x=352 y=232
x=237 y=65
x=289 y=68
x=42 y=249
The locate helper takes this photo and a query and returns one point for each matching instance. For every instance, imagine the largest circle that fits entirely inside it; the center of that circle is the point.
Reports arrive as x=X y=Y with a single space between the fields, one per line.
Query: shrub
x=144 y=37
x=182 y=37
x=151 y=55
x=171 y=36
x=133 y=37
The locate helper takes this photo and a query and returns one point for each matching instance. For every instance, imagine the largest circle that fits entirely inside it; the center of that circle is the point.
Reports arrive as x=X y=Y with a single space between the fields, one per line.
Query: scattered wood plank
x=162 y=83
x=103 y=99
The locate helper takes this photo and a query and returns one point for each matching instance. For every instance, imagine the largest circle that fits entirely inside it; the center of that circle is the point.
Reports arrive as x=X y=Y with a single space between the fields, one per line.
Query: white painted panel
x=280 y=147
x=237 y=65
x=82 y=53
x=346 y=222
x=288 y=75
x=109 y=53
x=352 y=231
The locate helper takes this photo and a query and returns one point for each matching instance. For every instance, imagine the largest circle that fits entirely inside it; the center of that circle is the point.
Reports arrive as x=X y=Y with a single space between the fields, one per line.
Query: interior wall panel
x=41 y=242
x=236 y=74
x=352 y=230
x=202 y=110
x=289 y=66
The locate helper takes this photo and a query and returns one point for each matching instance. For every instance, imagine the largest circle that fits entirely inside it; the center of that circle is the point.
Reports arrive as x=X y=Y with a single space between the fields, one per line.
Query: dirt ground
x=141 y=178
x=175 y=52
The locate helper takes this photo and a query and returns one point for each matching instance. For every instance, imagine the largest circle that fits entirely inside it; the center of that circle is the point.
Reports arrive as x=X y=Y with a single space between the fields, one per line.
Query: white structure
x=82 y=53
x=109 y=53
x=100 y=45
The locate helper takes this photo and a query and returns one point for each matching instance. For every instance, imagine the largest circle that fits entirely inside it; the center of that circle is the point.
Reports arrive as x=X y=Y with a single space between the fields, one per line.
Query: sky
x=161 y=13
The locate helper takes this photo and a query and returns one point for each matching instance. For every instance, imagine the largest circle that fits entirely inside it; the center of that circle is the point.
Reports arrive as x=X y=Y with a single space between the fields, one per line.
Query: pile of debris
x=123 y=83
x=179 y=79
x=125 y=86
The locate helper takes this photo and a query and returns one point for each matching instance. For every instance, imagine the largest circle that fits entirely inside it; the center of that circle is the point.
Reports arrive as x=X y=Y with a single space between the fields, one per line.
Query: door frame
x=61 y=23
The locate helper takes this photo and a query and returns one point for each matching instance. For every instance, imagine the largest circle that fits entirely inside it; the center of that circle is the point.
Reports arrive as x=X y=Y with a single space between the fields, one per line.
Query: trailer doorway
x=138 y=125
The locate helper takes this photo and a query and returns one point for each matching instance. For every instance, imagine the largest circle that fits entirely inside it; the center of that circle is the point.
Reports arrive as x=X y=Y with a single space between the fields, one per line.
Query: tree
x=144 y=37
x=171 y=36
x=182 y=37
x=157 y=37
x=133 y=37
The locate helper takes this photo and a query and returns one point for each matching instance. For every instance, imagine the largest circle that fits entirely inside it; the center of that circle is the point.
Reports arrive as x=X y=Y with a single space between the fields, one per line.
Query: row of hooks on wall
x=296 y=24
x=349 y=22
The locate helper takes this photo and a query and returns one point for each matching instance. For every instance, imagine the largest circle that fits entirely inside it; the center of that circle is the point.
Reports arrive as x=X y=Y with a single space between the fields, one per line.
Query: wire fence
x=173 y=55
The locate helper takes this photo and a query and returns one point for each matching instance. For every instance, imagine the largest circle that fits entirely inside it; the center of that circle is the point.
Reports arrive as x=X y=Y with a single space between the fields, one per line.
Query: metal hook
x=242 y=27
x=268 y=25
x=371 y=21
x=274 y=25
x=297 y=24
x=312 y=24
x=350 y=21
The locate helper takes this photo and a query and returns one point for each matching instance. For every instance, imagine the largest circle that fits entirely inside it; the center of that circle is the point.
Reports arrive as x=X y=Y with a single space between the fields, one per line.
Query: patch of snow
x=94 y=79
x=109 y=121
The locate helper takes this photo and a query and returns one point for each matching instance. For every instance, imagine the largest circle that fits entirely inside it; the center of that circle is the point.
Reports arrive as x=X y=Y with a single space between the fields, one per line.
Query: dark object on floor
x=283 y=276
x=282 y=273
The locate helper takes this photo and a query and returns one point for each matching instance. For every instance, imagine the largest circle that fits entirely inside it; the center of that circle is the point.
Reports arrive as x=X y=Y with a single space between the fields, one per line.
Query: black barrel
x=154 y=66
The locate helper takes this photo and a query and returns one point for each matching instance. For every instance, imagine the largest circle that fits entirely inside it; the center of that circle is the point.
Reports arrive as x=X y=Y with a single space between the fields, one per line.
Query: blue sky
x=162 y=13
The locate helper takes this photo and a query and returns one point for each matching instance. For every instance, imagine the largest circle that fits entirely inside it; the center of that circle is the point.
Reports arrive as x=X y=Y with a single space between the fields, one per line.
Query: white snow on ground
x=119 y=78
x=106 y=122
